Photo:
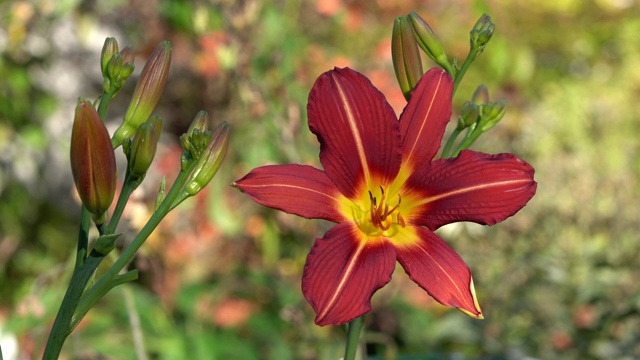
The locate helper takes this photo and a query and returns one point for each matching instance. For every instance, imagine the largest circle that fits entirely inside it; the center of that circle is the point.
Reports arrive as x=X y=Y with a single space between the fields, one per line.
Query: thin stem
x=134 y=322
x=452 y=138
x=105 y=99
x=128 y=187
x=472 y=136
x=105 y=282
x=473 y=53
x=83 y=237
x=61 y=326
x=353 y=337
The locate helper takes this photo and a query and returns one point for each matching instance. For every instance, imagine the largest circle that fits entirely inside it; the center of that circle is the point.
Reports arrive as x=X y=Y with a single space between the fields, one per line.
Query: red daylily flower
x=387 y=195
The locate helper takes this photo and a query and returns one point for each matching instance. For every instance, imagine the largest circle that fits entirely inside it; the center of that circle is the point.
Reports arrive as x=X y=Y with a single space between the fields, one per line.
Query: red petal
x=439 y=270
x=477 y=187
x=296 y=189
x=342 y=272
x=357 y=129
x=423 y=121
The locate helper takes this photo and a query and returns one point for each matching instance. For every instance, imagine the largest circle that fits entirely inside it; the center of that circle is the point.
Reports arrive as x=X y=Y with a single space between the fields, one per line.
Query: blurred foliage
x=221 y=278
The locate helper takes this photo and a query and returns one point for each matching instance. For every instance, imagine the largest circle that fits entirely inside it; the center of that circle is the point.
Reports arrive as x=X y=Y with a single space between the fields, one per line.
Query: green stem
x=83 y=237
x=105 y=99
x=472 y=136
x=452 y=139
x=353 y=337
x=61 y=326
x=106 y=280
x=473 y=53
x=128 y=187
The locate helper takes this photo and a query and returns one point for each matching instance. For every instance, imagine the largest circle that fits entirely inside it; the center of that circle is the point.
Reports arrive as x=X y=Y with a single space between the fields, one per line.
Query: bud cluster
x=205 y=147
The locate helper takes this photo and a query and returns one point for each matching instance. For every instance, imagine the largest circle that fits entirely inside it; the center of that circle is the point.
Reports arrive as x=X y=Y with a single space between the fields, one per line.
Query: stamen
x=381 y=214
x=401 y=220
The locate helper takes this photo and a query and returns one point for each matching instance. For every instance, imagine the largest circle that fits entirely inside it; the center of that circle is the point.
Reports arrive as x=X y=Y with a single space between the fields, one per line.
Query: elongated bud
x=141 y=148
x=93 y=161
x=428 y=41
x=492 y=113
x=128 y=56
x=482 y=32
x=147 y=92
x=481 y=95
x=109 y=48
x=200 y=122
x=406 y=57
x=210 y=161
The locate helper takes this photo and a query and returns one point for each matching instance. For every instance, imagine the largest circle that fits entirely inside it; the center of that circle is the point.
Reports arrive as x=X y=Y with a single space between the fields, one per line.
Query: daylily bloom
x=386 y=194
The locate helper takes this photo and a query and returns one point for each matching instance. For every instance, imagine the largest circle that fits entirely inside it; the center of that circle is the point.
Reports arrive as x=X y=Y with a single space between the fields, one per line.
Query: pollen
x=382 y=215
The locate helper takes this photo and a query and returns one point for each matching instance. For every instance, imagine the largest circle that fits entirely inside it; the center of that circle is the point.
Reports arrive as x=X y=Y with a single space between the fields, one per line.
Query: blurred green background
x=220 y=278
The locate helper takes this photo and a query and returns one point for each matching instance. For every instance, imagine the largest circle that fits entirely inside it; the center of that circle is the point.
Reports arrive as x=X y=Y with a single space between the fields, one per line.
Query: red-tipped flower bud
x=147 y=92
x=93 y=161
x=210 y=161
x=406 y=57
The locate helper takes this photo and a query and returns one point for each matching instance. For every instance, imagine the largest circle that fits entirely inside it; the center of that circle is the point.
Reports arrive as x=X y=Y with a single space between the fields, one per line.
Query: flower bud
x=109 y=48
x=210 y=161
x=492 y=113
x=141 y=148
x=468 y=115
x=481 y=95
x=147 y=92
x=482 y=32
x=128 y=55
x=428 y=41
x=196 y=139
x=406 y=57
x=93 y=161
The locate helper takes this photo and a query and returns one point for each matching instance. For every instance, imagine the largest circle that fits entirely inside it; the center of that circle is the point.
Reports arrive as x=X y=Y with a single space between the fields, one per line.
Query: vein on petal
x=343 y=281
x=429 y=199
x=354 y=131
x=424 y=120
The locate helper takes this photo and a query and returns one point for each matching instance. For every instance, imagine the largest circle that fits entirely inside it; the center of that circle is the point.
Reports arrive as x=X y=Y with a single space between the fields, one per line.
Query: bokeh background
x=220 y=278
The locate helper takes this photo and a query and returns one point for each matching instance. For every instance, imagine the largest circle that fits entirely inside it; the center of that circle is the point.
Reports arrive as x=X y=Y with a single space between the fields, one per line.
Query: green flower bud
x=428 y=41
x=210 y=161
x=492 y=113
x=141 y=148
x=195 y=141
x=482 y=32
x=468 y=115
x=109 y=48
x=481 y=95
x=200 y=122
x=147 y=92
x=406 y=57
x=128 y=55
x=93 y=161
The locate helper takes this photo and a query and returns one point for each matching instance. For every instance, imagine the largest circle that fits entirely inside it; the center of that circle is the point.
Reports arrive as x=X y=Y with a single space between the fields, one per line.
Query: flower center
x=382 y=215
